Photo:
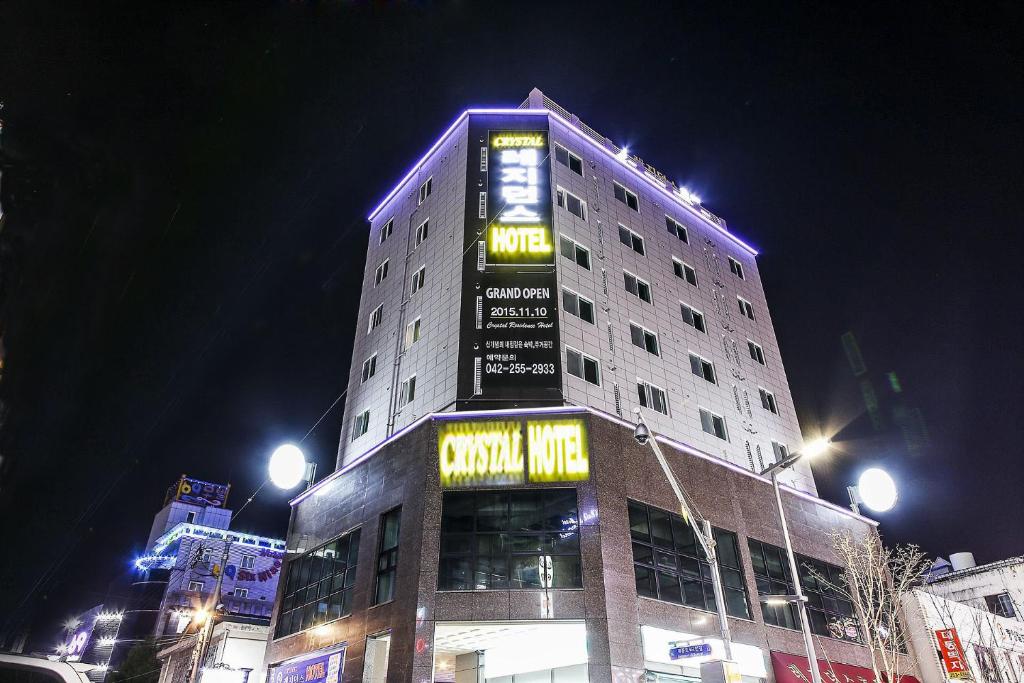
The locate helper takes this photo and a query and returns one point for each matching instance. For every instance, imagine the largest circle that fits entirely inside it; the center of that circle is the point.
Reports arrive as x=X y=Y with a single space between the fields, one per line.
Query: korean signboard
x=488 y=453
x=795 y=669
x=508 y=350
x=323 y=668
x=952 y=653
x=197 y=492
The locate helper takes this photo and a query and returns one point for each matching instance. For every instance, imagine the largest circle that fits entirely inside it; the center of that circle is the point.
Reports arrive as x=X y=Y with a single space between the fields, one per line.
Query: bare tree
x=875 y=578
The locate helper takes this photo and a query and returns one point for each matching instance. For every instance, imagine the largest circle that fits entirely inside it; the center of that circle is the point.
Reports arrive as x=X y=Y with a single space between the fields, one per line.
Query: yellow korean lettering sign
x=480 y=453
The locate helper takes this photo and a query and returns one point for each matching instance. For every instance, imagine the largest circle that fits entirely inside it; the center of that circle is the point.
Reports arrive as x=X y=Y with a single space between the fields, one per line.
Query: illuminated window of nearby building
x=829 y=613
x=241 y=592
x=652 y=397
x=380 y=273
x=360 y=424
x=780 y=451
x=369 y=368
x=386 y=230
x=248 y=561
x=571 y=203
x=412 y=333
x=693 y=317
x=421 y=232
x=631 y=239
x=745 y=307
x=577 y=305
x=574 y=251
x=500 y=540
x=756 y=352
x=736 y=268
x=684 y=271
x=318 y=585
x=703 y=368
x=1001 y=604
x=637 y=287
x=387 y=556
x=676 y=228
x=418 y=279
x=768 y=401
x=190 y=518
x=408 y=391
x=195 y=586
x=626 y=197
x=713 y=424
x=583 y=366
x=644 y=339
x=669 y=563
x=376 y=316
x=425 y=189
x=568 y=159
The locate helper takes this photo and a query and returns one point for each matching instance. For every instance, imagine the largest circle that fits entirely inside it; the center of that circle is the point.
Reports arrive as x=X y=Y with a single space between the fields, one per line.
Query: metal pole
x=801 y=606
x=702 y=531
x=202 y=645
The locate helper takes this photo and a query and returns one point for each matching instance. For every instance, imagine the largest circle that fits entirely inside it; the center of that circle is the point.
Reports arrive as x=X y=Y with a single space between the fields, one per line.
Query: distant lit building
x=996 y=587
x=235 y=655
x=527 y=285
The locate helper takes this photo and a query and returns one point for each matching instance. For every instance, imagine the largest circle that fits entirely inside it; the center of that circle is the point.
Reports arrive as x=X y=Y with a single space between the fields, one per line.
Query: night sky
x=186 y=192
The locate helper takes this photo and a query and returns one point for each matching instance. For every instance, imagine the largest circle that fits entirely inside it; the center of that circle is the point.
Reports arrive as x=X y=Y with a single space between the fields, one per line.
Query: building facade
x=492 y=518
x=235 y=655
x=997 y=587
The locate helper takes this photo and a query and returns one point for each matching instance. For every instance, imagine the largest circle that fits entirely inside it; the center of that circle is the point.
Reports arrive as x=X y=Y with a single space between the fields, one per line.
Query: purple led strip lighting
x=650 y=181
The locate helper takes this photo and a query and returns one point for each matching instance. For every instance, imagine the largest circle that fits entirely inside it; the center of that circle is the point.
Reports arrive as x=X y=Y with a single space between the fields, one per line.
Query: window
x=248 y=561
x=684 y=271
x=418 y=278
x=387 y=556
x=582 y=366
x=768 y=401
x=386 y=230
x=703 y=368
x=669 y=563
x=318 y=586
x=375 y=318
x=745 y=307
x=206 y=556
x=736 y=268
x=713 y=424
x=637 y=287
x=1001 y=604
x=567 y=158
x=780 y=451
x=241 y=592
x=693 y=317
x=380 y=273
x=652 y=397
x=421 y=232
x=574 y=251
x=425 y=190
x=360 y=424
x=412 y=333
x=408 y=391
x=190 y=518
x=500 y=540
x=195 y=586
x=676 y=228
x=369 y=368
x=644 y=338
x=626 y=197
x=571 y=203
x=631 y=239
x=829 y=614
x=756 y=352
x=578 y=306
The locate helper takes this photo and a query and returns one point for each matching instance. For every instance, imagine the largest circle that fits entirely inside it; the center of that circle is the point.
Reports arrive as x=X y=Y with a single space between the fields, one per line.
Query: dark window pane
x=693 y=593
x=492 y=512
x=668 y=588
x=567 y=571
x=661 y=531
x=454 y=573
x=644 y=581
x=736 y=604
x=643 y=553
x=731 y=578
x=526 y=572
x=638 y=526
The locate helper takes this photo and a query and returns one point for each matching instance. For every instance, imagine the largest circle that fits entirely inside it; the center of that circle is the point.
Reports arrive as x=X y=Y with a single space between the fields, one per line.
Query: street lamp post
x=798 y=598
x=701 y=527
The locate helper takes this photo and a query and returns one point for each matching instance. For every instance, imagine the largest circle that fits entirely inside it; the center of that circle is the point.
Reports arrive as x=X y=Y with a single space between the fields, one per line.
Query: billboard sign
x=687 y=651
x=198 y=492
x=509 y=346
x=954 y=663
x=321 y=668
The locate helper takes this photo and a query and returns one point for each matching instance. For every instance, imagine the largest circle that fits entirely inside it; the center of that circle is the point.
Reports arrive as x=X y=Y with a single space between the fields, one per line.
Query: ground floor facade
x=545 y=545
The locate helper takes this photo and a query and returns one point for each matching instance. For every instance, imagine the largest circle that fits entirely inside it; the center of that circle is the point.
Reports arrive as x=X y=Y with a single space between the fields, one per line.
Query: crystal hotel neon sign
x=489 y=453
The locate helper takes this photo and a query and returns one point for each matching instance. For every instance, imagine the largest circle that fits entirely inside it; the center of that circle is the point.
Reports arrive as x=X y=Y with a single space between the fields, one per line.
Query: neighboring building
x=90 y=638
x=235 y=655
x=953 y=641
x=492 y=517
x=997 y=587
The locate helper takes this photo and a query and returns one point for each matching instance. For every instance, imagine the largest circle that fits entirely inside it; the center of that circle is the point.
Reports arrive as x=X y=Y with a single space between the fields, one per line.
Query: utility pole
x=202 y=645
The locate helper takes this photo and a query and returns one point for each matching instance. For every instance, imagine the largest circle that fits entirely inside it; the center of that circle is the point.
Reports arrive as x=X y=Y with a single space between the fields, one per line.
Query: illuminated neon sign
x=491 y=453
x=519 y=233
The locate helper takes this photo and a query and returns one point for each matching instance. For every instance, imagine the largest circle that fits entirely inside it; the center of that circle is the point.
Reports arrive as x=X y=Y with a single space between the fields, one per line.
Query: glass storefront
x=511 y=652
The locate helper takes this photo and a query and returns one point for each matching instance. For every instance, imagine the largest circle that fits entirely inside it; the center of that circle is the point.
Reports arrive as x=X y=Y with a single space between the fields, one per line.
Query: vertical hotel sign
x=508 y=347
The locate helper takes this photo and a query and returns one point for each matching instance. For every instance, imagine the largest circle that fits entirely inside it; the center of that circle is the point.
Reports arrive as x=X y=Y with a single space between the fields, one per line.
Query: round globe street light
x=877 y=490
x=287 y=466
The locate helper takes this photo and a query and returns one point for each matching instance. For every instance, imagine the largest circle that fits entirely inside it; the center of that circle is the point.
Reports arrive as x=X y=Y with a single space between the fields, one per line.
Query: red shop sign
x=794 y=669
x=953 y=660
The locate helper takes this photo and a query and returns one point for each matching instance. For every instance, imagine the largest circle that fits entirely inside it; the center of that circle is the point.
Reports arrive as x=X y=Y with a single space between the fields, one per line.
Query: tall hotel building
x=527 y=285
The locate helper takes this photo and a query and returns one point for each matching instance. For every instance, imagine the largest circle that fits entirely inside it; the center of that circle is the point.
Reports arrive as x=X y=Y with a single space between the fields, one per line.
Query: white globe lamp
x=287 y=466
x=877 y=489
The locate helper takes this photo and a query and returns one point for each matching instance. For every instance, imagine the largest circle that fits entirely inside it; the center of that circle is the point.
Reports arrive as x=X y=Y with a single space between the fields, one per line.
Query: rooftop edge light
x=686 y=205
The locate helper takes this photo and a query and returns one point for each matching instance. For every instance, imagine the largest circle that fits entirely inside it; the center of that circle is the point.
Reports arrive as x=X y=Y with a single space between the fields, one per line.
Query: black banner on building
x=508 y=347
